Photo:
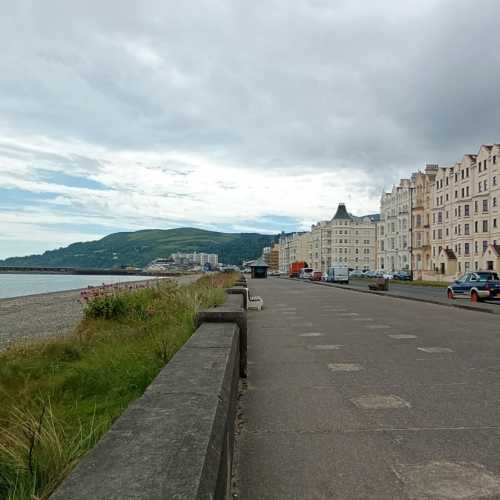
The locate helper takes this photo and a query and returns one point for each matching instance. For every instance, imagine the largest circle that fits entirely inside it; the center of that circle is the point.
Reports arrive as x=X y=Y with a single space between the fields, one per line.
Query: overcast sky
x=230 y=115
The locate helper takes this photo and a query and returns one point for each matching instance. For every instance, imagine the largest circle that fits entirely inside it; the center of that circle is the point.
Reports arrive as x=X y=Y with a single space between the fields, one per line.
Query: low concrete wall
x=176 y=441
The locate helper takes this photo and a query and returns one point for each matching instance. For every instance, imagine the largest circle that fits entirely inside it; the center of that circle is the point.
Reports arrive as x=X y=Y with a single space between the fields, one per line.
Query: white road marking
x=311 y=334
x=402 y=336
x=344 y=367
x=435 y=350
x=448 y=480
x=324 y=347
x=380 y=402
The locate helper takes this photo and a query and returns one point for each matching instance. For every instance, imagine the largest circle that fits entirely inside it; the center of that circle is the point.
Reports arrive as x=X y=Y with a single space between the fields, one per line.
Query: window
x=485 y=245
x=494 y=180
x=485 y=185
x=463 y=191
x=440 y=234
x=447 y=181
x=494 y=223
x=475 y=249
x=494 y=202
x=476 y=205
x=463 y=173
x=485 y=205
x=466 y=248
x=485 y=226
x=494 y=159
x=476 y=226
x=440 y=217
x=466 y=210
x=479 y=186
x=456 y=193
x=467 y=172
x=447 y=197
x=466 y=229
x=467 y=191
x=459 y=211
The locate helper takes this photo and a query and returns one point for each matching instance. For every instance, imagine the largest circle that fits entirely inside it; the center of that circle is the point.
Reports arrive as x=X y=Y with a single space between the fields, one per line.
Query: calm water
x=15 y=285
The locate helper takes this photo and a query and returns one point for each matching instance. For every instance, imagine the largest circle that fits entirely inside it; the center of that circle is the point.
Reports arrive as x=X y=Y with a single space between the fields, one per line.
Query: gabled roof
x=259 y=263
x=342 y=212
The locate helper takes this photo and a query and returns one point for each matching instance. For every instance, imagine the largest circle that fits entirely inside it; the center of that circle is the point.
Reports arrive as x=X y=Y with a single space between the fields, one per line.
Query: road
x=425 y=293
x=356 y=396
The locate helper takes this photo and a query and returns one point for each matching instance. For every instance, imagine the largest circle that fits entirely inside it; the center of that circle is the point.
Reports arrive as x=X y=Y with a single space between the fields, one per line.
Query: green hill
x=141 y=247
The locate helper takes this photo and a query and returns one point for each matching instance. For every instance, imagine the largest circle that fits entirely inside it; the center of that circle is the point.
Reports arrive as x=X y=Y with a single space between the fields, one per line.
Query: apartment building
x=344 y=239
x=465 y=215
x=394 y=227
x=199 y=258
x=423 y=183
x=294 y=247
x=403 y=233
x=270 y=255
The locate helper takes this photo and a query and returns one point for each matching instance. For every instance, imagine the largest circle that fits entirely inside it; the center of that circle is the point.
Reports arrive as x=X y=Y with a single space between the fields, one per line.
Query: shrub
x=59 y=396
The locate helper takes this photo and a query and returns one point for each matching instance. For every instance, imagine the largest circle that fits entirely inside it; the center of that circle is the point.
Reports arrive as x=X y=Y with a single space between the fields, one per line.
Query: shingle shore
x=43 y=315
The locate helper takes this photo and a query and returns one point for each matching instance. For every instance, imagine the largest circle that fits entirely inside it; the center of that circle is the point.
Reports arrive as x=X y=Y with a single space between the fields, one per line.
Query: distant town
x=436 y=224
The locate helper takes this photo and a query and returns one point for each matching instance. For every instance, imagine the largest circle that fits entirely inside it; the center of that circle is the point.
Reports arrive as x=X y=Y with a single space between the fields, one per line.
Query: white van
x=306 y=273
x=338 y=274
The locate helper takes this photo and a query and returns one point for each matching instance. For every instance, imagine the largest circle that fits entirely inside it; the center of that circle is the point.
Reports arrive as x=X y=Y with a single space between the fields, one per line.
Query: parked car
x=316 y=276
x=478 y=285
x=338 y=274
x=273 y=273
x=356 y=273
x=402 y=276
x=306 y=273
x=370 y=274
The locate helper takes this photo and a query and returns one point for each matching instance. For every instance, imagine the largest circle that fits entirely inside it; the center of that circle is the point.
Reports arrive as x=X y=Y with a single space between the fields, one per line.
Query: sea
x=18 y=285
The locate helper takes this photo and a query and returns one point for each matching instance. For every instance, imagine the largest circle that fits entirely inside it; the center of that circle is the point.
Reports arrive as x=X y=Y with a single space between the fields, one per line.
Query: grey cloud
x=315 y=85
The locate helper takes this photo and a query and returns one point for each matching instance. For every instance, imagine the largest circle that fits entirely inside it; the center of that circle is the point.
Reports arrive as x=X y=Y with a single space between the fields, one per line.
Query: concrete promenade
x=355 y=396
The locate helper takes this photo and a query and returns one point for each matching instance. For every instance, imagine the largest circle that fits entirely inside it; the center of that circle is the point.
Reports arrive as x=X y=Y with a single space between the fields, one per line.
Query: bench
x=380 y=285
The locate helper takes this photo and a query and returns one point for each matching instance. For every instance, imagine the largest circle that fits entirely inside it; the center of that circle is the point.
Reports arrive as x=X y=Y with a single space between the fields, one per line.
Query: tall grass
x=59 y=396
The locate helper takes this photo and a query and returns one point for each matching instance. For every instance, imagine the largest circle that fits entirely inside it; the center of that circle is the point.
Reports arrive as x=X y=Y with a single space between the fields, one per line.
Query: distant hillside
x=141 y=247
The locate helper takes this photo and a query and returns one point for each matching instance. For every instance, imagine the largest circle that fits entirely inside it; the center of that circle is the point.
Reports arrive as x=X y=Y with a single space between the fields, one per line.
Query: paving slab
x=337 y=410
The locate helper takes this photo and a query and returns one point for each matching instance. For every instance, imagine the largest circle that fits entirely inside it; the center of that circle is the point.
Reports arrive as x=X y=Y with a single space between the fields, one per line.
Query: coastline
x=46 y=315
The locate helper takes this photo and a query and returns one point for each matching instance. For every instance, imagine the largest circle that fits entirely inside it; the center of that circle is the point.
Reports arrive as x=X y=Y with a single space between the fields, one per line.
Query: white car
x=306 y=273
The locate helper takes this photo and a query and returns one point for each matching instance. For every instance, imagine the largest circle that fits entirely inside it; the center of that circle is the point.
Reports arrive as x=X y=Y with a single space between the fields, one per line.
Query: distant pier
x=81 y=271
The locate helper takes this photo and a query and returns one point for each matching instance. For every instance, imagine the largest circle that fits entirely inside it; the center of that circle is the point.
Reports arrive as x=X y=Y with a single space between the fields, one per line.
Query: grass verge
x=59 y=396
x=433 y=284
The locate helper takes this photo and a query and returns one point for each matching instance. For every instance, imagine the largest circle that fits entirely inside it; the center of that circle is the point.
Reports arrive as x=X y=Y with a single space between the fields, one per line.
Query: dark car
x=478 y=285
x=402 y=276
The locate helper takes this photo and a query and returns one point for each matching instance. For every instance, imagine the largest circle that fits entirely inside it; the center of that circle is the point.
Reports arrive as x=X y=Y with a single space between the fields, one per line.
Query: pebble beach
x=44 y=315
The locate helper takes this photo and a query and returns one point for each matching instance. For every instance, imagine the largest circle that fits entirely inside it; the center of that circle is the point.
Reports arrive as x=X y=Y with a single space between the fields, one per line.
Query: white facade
x=198 y=258
x=292 y=248
x=344 y=239
x=394 y=228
